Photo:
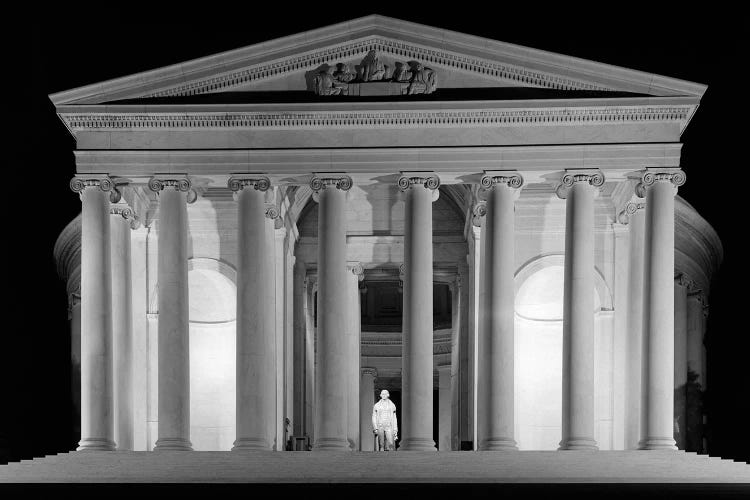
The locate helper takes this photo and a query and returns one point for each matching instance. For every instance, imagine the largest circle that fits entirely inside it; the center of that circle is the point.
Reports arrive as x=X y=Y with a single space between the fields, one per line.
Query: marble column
x=444 y=407
x=353 y=355
x=417 y=347
x=695 y=386
x=122 y=325
x=97 y=432
x=311 y=288
x=298 y=347
x=256 y=315
x=495 y=415
x=331 y=388
x=659 y=187
x=74 y=313
x=636 y=221
x=174 y=333
x=680 y=360
x=366 y=402
x=578 y=424
x=455 y=362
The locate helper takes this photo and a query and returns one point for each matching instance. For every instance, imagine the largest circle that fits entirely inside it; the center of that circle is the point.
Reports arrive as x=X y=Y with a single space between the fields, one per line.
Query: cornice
x=435 y=115
x=437 y=47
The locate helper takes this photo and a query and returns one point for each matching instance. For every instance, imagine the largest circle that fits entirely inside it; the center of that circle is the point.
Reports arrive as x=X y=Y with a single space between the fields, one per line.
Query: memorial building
x=492 y=233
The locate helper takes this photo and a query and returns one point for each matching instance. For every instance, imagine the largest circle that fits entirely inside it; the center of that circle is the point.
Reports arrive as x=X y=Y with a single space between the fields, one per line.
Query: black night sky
x=68 y=53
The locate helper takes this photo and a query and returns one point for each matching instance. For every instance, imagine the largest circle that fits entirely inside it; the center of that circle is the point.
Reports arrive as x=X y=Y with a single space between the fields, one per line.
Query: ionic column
x=495 y=416
x=444 y=407
x=634 y=216
x=695 y=382
x=356 y=274
x=659 y=188
x=256 y=315
x=680 y=360
x=417 y=378
x=331 y=419
x=366 y=402
x=122 y=220
x=578 y=425
x=174 y=361
x=96 y=315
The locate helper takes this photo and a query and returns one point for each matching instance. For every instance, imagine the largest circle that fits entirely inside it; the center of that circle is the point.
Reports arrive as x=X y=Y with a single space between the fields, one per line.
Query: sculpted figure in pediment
x=326 y=84
x=372 y=69
x=423 y=80
x=343 y=74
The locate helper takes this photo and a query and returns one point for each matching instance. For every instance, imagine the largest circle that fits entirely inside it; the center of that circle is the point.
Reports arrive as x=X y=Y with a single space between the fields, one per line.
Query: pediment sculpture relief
x=373 y=77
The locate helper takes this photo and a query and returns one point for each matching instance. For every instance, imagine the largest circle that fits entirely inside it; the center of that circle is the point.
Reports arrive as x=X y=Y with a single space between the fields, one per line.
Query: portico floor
x=371 y=467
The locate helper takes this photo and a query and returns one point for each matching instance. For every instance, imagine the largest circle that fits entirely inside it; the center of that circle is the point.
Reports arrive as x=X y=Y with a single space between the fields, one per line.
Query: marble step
x=525 y=466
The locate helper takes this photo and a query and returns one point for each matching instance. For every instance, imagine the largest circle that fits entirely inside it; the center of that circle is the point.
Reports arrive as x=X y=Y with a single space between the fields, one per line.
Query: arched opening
x=212 y=354
x=538 y=355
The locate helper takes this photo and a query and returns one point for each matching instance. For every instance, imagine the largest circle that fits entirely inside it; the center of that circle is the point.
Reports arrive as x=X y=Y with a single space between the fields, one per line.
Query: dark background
x=66 y=51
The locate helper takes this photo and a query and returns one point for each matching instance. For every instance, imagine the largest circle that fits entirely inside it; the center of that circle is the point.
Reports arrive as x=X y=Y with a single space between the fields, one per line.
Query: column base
x=251 y=444
x=173 y=444
x=331 y=444
x=96 y=444
x=579 y=444
x=657 y=443
x=498 y=444
x=417 y=444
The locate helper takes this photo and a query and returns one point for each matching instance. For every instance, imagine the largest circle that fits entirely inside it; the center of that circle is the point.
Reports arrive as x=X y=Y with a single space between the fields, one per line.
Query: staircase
x=370 y=467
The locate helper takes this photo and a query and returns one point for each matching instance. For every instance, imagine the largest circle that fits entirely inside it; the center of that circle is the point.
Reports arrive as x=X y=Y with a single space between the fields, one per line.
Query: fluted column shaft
x=417 y=369
x=657 y=405
x=495 y=416
x=637 y=222
x=97 y=431
x=122 y=328
x=256 y=317
x=578 y=423
x=695 y=353
x=353 y=356
x=444 y=407
x=174 y=349
x=331 y=388
x=366 y=402
x=680 y=361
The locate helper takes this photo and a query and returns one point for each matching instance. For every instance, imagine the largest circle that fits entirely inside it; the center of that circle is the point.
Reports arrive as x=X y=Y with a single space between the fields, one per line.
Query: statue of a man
x=384 y=422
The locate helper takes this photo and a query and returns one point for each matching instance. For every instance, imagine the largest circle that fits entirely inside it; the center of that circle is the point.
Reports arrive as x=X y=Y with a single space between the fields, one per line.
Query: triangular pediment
x=458 y=60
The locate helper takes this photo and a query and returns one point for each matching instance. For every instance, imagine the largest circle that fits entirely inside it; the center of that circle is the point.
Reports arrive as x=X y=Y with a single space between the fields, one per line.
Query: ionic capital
x=356 y=269
x=675 y=176
x=260 y=183
x=510 y=178
x=181 y=184
x=105 y=183
x=630 y=209
x=479 y=211
x=428 y=180
x=126 y=213
x=271 y=211
x=368 y=370
x=323 y=181
x=592 y=177
x=686 y=282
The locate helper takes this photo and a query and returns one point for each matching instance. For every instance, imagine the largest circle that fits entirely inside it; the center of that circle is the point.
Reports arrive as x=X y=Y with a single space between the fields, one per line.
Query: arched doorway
x=538 y=355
